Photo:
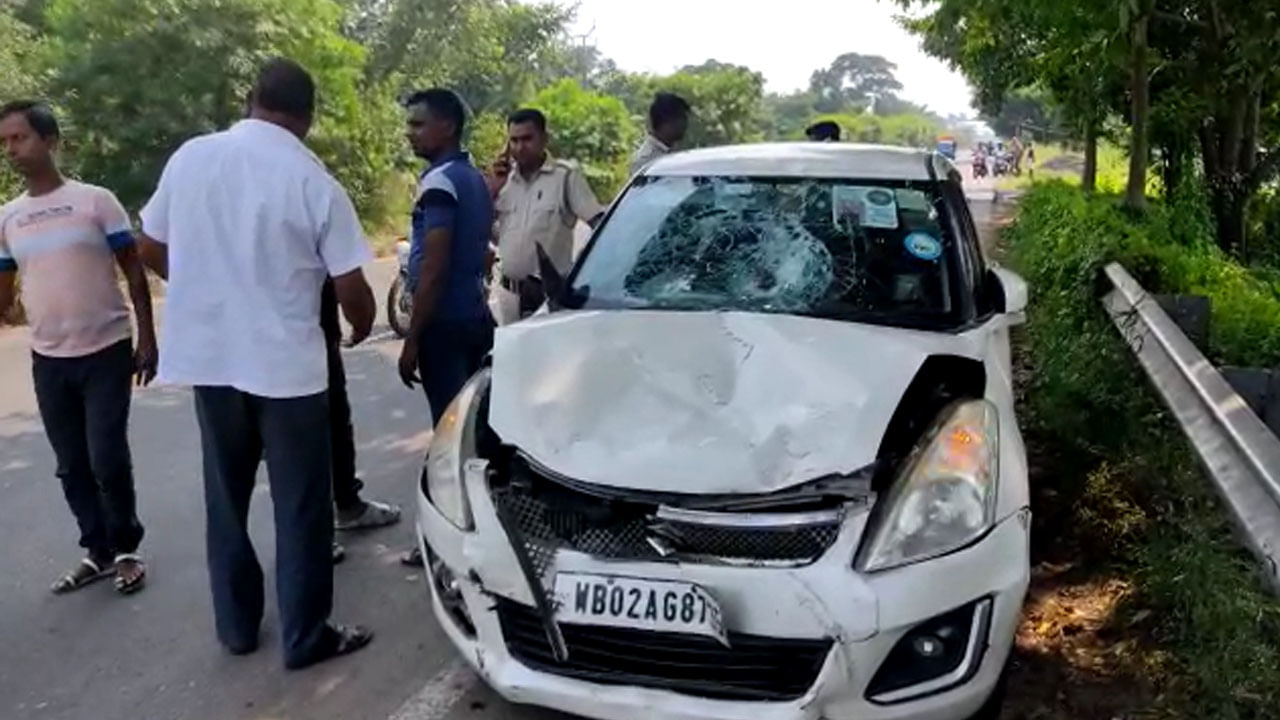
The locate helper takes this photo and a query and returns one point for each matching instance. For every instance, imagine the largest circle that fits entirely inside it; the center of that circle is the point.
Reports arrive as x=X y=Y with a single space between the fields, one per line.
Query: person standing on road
x=450 y=328
x=67 y=238
x=539 y=204
x=246 y=224
x=668 y=123
x=351 y=512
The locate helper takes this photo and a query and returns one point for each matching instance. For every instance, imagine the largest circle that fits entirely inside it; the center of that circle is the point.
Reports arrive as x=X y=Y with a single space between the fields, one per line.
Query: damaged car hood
x=702 y=402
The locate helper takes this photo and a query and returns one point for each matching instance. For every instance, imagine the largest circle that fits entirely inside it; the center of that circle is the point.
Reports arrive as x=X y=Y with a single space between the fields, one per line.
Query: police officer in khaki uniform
x=538 y=201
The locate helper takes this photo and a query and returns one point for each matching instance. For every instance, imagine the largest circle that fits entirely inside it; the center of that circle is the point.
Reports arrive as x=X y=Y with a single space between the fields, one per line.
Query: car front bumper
x=864 y=615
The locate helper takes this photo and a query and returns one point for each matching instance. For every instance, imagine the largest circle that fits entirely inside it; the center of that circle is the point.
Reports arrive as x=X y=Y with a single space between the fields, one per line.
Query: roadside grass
x=1058 y=162
x=1118 y=492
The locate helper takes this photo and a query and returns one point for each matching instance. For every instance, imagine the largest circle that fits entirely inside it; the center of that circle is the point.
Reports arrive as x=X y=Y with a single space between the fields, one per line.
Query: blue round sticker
x=923 y=245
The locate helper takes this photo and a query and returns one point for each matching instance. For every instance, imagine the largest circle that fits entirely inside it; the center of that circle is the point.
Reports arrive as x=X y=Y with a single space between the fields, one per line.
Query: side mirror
x=1008 y=291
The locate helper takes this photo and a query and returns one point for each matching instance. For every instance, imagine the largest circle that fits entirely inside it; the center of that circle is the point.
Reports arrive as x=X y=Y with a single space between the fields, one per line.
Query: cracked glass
x=846 y=249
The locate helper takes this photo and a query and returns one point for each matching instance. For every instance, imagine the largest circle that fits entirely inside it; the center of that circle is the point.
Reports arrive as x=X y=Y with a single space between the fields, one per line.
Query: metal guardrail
x=1241 y=454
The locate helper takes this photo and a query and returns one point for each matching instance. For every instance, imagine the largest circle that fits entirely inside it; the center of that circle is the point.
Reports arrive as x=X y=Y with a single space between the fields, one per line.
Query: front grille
x=751 y=668
x=552 y=518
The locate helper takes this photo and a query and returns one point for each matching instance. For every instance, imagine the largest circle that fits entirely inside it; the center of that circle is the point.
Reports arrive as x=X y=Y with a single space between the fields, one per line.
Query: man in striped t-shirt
x=67 y=238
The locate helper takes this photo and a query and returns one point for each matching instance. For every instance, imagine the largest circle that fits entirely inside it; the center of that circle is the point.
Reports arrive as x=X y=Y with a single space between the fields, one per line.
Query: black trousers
x=84 y=403
x=237 y=430
x=346 y=486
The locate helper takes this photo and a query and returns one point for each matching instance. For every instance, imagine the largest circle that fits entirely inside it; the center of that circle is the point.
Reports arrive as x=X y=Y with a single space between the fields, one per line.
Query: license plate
x=639 y=604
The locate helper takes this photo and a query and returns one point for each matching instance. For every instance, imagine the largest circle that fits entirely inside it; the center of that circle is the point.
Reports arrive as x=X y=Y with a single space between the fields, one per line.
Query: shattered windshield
x=876 y=251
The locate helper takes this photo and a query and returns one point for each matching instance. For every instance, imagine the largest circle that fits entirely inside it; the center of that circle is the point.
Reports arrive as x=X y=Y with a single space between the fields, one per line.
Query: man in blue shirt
x=450 y=330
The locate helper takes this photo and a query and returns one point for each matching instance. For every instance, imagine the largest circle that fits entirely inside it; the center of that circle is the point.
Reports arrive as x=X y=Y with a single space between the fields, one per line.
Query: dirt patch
x=1075 y=657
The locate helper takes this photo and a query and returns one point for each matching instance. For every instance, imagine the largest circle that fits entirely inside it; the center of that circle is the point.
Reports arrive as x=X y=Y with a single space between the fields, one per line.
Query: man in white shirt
x=668 y=123
x=246 y=224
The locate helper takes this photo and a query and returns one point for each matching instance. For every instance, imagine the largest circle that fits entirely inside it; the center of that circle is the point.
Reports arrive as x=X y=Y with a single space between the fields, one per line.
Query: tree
x=1062 y=53
x=207 y=52
x=21 y=75
x=593 y=129
x=1225 y=56
x=494 y=53
x=853 y=80
x=1138 y=17
x=788 y=115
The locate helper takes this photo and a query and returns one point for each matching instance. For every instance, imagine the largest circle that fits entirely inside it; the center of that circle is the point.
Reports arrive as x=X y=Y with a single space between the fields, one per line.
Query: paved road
x=153 y=656
x=95 y=655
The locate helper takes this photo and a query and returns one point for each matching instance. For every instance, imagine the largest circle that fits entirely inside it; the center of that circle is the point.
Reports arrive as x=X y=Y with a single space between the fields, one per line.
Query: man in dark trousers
x=351 y=512
x=246 y=224
x=67 y=238
x=451 y=329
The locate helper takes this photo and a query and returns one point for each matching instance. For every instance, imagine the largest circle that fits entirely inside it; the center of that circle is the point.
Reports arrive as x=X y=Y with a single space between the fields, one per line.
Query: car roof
x=806 y=159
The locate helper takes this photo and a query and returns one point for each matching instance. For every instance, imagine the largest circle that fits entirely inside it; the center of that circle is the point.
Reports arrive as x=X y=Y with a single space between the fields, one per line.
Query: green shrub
x=1124 y=485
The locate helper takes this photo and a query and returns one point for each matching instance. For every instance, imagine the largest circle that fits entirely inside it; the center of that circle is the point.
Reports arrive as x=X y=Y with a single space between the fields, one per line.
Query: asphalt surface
x=153 y=656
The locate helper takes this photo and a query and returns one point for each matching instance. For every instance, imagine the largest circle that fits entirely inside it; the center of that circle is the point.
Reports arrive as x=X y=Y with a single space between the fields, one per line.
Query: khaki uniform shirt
x=651 y=149
x=543 y=209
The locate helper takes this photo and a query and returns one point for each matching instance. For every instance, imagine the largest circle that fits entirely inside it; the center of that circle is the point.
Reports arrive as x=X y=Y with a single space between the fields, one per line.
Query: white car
x=758 y=461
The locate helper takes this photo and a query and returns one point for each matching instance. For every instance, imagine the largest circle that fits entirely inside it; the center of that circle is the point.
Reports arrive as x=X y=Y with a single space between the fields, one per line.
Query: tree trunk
x=1089 y=177
x=1136 y=195
x=1229 y=202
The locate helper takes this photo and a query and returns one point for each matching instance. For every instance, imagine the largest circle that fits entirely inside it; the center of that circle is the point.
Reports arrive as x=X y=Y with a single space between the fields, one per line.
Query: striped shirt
x=63 y=244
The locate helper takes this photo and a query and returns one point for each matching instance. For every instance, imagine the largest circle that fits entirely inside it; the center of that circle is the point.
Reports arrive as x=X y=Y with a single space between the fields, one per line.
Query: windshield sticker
x=923 y=245
x=872 y=207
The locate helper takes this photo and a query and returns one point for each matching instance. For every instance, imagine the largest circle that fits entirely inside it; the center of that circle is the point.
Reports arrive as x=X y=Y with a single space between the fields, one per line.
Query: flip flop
x=125 y=586
x=85 y=573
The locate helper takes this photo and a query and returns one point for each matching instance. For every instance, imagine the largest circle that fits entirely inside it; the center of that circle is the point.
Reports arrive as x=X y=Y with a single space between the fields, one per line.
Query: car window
x=859 y=250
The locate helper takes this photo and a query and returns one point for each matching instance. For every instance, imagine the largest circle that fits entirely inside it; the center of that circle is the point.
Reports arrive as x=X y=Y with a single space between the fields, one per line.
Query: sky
x=786 y=40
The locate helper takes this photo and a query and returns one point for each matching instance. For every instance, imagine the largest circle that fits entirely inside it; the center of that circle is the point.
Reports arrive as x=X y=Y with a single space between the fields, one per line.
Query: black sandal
x=87 y=572
x=126 y=585
x=346 y=640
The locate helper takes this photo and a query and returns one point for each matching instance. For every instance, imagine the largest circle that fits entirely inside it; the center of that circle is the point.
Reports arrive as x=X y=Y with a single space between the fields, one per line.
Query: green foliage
x=907 y=130
x=593 y=129
x=207 y=52
x=486 y=137
x=1124 y=484
x=852 y=81
x=20 y=76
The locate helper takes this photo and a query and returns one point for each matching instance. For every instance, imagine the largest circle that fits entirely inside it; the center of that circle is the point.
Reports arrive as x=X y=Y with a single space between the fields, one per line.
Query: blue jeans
x=449 y=353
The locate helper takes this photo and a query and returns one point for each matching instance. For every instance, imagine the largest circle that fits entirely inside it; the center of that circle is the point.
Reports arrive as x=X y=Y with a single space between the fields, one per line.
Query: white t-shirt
x=254 y=223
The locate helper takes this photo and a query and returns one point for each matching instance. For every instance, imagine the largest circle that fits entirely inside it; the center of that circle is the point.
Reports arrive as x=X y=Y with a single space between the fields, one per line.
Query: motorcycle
x=1000 y=165
x=979 y=167
x=399 y=299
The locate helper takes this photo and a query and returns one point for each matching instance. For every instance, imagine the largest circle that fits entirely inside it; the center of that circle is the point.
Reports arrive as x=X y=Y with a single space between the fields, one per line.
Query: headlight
x=453 y=443
x=945 y=497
